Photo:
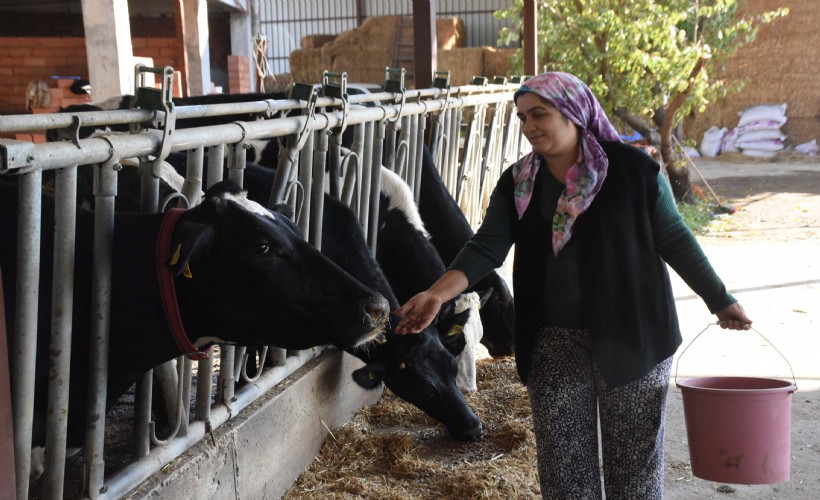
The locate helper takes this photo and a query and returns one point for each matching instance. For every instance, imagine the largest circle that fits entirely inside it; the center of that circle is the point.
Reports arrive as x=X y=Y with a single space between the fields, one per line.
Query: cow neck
x=167 y=289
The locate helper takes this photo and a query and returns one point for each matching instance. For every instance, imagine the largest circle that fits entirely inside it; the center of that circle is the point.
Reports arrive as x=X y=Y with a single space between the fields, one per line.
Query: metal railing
x=473 y=135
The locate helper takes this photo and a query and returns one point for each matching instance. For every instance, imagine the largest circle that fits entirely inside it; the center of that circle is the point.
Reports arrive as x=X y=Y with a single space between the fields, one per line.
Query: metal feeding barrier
x=473 y=136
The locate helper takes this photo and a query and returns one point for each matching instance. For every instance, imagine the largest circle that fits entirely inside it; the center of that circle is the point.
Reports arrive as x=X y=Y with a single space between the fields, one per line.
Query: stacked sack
x=758 y=131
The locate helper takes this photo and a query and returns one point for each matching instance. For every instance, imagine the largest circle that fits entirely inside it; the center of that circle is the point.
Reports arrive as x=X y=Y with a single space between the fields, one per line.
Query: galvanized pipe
x=375 y=187
x=317 y=191
x=358 y=149
x=367 y=169
x=216 y=155
x=62 y=298
x=419 y=156
x=25 y=325
x=142 y=413
x=226 y=382
x=412 y=138
x=192 y=187
x=204 y=385
x=50 y=156
x=306 y=180
x=334 y=169
x=105 y=193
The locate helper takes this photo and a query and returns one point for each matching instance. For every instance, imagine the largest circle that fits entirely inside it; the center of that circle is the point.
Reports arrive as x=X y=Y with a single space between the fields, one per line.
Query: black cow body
x=449 y=232
x=421 y=369
x=254 y=281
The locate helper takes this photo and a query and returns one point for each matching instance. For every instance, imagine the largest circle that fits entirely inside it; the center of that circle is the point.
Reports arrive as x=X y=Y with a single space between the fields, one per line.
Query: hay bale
x=450 y=33
x=315 y=41
x=463 y=64
x=388 y=451
x=308 y=65
x=497 y=62
x=364 y=52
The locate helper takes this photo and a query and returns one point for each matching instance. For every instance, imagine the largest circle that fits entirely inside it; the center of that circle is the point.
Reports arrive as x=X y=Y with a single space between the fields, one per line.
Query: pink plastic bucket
x=739 y=428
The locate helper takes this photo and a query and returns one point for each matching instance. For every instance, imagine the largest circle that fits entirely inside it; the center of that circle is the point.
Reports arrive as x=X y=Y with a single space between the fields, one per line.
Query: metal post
x=192 y=187
x=530 y=37
x=105 y=192
x=25 y=327
x=375 y=187
x=367 y=168
x=216 y=156
x=305 y=179
x=317 y=191
x=419 y=155
x=204 y=385
x=65 y=211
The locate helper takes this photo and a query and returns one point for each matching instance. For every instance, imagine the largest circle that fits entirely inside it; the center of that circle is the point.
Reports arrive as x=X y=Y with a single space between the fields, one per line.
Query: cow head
x=418 y=369
x=245 y=275
x=460 y=330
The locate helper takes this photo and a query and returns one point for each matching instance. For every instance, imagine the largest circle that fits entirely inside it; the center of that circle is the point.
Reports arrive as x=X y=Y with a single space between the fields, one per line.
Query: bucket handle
x=794 y=380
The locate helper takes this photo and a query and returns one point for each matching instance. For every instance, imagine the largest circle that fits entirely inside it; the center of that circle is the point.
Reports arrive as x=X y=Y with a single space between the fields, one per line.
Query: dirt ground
x=766 y=253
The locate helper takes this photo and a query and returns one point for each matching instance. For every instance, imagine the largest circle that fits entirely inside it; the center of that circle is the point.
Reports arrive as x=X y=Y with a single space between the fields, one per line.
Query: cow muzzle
x=376 y=317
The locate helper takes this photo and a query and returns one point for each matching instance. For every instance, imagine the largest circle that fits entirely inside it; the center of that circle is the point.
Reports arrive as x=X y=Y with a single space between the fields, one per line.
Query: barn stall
x=472 y=134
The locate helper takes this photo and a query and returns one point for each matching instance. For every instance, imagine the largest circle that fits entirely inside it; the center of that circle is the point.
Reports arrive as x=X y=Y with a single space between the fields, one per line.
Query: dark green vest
x=627 y=299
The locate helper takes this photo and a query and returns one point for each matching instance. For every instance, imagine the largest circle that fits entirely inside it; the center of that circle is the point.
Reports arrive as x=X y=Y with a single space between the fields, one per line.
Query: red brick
x=42 y=111
x=9 y=41
x=34 y=61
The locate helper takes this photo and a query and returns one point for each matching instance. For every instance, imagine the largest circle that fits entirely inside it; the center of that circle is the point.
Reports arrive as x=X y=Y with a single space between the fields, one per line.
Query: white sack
x=728 y=143
x=771 y=112
x=712 y=141
x=759 y=135
x=763 y=145
x=759 y=153
x=808 y=148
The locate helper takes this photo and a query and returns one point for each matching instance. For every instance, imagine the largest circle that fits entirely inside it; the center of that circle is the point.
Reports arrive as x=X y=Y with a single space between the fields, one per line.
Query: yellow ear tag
x=455 y=330
x=370 y=375
x=186 y=271
x=175 y=258
x=402 y=366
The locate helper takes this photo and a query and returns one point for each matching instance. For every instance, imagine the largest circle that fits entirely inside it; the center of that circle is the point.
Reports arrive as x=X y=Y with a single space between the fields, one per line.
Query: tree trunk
x=676 y=167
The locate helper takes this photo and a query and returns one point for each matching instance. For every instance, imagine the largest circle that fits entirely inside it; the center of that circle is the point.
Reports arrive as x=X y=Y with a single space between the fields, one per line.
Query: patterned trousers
x=570 y=401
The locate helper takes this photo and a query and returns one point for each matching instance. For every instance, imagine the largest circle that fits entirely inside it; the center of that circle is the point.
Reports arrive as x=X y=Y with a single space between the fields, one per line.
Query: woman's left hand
x=734 y=318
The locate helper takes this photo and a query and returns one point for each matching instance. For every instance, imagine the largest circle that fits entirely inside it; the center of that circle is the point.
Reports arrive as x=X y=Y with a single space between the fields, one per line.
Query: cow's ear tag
x=186 y=271
x=370 y=375
x=175 y=257
x=402 y=366
x=455 y=330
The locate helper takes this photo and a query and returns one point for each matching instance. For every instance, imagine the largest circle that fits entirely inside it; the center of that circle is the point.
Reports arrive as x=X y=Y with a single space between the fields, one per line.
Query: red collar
x=167 y=290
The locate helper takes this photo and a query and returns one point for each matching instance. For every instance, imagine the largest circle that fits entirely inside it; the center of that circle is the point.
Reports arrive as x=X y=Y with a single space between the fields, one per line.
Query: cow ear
x=370 y=376
x=189 y=241
x=484 y=296
x=284 y=209
x=453 y=339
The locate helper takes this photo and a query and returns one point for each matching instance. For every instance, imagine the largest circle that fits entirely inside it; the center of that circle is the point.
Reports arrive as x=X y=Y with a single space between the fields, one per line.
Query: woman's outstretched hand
x=417 y=313
x=734 y=318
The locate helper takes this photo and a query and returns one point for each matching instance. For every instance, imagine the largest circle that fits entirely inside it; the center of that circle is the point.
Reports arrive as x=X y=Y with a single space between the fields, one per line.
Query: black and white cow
x=417 y=368
x=421 y=369
x=449 y=232
x=242 y=274
x=412 y=265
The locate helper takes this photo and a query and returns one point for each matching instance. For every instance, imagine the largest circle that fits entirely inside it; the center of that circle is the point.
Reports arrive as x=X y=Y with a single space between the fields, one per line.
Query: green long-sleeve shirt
x=674 y=242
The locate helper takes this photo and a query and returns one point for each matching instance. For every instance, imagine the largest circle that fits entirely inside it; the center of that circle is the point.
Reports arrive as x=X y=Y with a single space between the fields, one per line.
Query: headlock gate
x=472 y=132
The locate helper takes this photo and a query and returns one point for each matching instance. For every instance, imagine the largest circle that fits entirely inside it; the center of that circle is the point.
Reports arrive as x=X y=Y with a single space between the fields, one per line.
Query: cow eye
x=261 y=247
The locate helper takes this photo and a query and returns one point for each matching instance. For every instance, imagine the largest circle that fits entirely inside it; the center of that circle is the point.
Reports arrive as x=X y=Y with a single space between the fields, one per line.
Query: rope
x=260 y=57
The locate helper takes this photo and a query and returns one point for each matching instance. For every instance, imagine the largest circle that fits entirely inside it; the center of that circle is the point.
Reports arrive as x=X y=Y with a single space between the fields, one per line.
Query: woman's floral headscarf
x=572 y=97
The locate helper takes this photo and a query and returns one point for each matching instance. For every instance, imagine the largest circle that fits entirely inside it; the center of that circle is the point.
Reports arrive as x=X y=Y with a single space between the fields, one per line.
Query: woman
x=594 y=223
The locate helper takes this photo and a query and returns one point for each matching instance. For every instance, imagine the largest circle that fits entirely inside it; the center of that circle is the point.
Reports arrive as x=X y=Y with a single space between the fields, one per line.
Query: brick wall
x=23 y=59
